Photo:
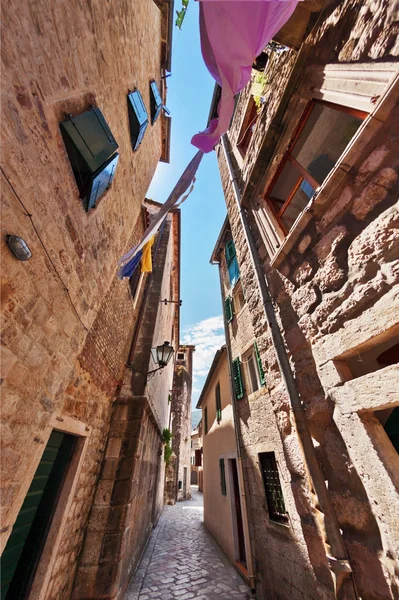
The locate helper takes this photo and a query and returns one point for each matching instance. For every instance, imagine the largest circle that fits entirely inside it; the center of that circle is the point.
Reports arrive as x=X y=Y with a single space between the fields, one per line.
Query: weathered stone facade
x=67 y=323
x=181 y=424
x=333 y=278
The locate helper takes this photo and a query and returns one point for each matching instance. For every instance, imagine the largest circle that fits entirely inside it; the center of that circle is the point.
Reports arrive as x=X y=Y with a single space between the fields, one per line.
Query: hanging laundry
x=233 y=33
x=181 y=186
x=146 y=261
x=130 y=267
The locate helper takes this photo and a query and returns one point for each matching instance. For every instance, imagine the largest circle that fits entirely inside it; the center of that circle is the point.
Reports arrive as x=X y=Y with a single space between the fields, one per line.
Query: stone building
x=78 y=427
x=177 y=481
x=196 y=457
x=223 y=511
x=309 y=273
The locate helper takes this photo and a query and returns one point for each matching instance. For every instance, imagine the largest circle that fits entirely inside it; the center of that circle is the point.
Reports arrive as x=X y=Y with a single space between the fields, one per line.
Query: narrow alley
x=182 y=561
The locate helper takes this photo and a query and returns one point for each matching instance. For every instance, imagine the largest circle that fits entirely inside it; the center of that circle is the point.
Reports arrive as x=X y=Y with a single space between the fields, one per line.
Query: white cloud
x=208 y=337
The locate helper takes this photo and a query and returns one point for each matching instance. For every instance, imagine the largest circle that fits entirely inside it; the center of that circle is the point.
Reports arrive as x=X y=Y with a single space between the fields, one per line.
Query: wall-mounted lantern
x=19 y=247
x=161 y=355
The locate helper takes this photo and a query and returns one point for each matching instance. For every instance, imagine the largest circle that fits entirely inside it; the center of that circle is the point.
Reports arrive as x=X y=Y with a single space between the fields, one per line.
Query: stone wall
x=67 y=323
x=335 y=289
x=181 y=420
x=129 y=493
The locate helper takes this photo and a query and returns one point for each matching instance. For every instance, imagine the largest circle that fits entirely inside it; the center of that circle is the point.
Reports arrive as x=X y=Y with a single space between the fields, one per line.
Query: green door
x=25 y=544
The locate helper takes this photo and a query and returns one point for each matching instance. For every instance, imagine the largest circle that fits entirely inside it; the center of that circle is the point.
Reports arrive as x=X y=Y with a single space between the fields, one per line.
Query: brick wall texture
x=67 y=323
x=335 y=291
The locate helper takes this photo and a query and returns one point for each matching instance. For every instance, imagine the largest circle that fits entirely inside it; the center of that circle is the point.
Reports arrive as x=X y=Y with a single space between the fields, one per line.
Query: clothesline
x=233 y=33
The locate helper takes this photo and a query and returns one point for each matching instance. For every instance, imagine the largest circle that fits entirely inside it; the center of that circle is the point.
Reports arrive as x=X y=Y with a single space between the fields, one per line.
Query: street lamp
x=161 y=355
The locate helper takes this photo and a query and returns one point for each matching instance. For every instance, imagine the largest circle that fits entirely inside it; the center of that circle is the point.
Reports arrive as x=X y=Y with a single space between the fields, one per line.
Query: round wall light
x=18 y=247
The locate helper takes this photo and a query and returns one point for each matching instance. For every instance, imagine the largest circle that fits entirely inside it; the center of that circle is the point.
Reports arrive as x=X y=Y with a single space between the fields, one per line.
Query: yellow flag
x=146 y=259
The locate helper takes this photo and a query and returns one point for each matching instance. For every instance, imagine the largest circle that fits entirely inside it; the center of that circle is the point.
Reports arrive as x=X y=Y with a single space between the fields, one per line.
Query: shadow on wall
x=352 y=506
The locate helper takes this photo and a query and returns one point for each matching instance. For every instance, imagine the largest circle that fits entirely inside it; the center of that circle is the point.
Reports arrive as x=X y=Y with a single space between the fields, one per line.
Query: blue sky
x=190 y=90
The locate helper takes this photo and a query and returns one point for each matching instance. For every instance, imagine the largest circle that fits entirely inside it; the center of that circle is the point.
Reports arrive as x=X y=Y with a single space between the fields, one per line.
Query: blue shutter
x=138 y=118
x=230 y=251
x=155 y=101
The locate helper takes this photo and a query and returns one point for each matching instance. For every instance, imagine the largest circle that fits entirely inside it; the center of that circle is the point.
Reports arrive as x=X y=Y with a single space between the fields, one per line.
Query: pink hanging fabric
x=233 y=33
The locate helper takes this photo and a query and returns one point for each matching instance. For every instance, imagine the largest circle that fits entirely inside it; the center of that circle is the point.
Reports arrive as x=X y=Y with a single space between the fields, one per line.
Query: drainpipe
x=247 y=538
x=335 y=548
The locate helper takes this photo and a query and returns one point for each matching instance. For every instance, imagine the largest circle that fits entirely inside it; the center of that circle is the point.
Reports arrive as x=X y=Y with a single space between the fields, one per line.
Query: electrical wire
x=28 y=214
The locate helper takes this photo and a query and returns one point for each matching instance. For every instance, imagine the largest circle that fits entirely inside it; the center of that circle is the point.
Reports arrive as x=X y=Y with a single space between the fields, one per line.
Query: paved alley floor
x=182 y=561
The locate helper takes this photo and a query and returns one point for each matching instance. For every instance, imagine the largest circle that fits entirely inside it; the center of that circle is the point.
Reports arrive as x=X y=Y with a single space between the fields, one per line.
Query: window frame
x=251 y=352
x=303 y=174
x=246 y=131
x=276 y=516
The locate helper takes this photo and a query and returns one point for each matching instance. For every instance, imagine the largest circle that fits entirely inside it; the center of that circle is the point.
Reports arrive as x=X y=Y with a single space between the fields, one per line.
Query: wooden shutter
x=230 y=251
x=228 y=309
x=237 y=379
x=260 y=368
x=25 y=544
x=218 y=404
x=222 y=477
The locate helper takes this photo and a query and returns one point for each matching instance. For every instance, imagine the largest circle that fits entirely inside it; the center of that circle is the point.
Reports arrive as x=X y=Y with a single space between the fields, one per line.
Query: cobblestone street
x=182 y=561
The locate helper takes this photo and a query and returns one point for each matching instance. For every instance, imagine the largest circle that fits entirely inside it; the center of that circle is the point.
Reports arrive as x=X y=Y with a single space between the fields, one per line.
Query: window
x=91 y=151
x=25 y=545
x=228 y=309
x=218 y=403
x=180 y=356
x=273 y=491
x=222 y=477
x=138 y=118
x=389 y=418
x=321 y=137
x=238 y=298
x=254 y=375
x=134 y=281
x=237 y=379
x=155 y=102
x=206 y=420
x=198 y=458
x=260 y=367
x=248 y=127
x=232 y=264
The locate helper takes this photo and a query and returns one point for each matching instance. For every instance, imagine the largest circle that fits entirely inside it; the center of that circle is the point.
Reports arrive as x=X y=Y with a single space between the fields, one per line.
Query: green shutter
x=222 y=477
x=218 y=404
x=260 y=368
x=228 y=309
x=237 y=378
x=230 y=251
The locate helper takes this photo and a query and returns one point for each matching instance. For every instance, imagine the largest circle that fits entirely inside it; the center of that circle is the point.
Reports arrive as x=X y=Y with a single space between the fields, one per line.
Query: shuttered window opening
x=155 y=102
x=206 y=420
x=218 y=403
x=237 y=379
x=91 y=149
x=223 y=488
x=273 y=490
x=232 y=264
x=25 y=544
x=138 y=118
x=260 y=367
x=228 y=309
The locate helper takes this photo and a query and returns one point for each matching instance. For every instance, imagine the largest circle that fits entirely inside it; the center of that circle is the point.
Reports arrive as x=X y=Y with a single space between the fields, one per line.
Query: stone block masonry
x=67 y=323
x=334 y=283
